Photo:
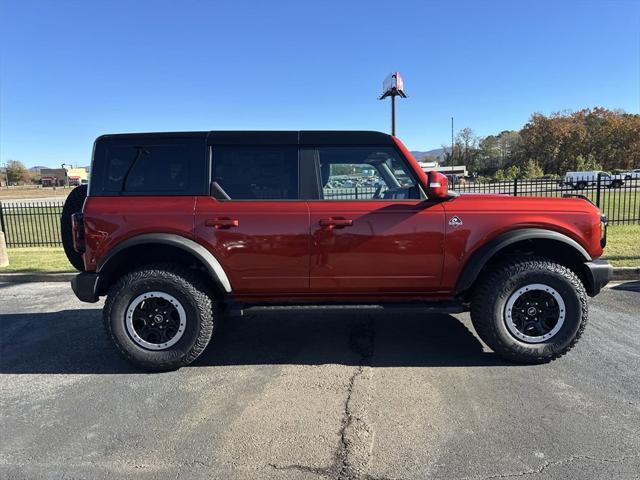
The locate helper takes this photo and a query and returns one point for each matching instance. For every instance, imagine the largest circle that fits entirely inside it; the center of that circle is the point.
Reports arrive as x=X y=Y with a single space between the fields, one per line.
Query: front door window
x=365 y=173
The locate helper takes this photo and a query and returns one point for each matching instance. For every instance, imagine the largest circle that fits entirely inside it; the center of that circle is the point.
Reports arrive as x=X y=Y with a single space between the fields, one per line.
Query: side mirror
x=438 y=186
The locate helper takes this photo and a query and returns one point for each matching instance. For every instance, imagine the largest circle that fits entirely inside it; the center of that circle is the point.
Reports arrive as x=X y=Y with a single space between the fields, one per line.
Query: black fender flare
x=480 y=257
x=210 y=262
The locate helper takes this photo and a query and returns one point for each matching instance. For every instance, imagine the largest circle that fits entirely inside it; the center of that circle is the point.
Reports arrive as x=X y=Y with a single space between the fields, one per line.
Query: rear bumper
x=599 y=274
x=85 y=286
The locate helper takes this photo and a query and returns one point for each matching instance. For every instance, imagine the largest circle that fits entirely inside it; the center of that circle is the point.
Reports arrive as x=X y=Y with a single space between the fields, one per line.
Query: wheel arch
x=548 y=243
x=154 y=247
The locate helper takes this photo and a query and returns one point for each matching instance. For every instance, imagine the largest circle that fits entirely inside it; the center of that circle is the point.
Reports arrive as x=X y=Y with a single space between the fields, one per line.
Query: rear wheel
x=73 y=204
x=581 y=185
x=160 y=317
x=530 y=310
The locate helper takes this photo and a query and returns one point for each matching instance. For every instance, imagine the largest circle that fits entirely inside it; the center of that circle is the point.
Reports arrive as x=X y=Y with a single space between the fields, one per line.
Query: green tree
x=587 y=163
x=589 y=139
x=532 y=170
x=512 y=172
x=17 y=172
x=496 y=151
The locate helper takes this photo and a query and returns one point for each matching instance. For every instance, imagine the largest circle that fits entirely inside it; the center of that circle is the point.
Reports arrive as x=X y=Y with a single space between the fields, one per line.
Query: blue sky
x=70 y=71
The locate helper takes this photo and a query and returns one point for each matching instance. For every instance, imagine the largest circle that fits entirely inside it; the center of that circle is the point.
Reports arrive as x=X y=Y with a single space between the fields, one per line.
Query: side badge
x=455 y=222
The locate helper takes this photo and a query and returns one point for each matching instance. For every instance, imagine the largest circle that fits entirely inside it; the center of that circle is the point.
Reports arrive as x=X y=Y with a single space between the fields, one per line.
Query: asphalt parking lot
x=316 y=394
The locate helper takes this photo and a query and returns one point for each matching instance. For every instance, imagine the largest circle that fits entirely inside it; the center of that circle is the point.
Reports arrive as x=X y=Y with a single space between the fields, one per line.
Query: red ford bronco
x=178 y=228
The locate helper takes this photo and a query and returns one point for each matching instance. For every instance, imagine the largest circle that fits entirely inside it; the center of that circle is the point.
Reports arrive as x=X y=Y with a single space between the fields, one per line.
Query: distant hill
x=436 y=152
x=37 y=168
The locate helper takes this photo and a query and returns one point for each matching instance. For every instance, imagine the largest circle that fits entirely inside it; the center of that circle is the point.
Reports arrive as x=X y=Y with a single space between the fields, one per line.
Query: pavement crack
x=354 y=426
x=351 y=455
x=321 y=471
x=546 y=465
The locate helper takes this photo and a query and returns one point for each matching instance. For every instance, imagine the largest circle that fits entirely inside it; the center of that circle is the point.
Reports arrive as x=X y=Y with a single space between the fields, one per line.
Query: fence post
x=4 y=257
x=515 y=187
x=2 y=227
x=598 y=191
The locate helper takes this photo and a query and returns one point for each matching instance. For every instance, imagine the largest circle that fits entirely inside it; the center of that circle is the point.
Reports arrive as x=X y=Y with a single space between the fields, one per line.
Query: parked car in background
x=631 y=174
x=582 y=180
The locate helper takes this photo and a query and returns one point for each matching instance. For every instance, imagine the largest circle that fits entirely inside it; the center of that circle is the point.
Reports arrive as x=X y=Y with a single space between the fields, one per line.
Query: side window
x=159 y=168
x=256 y=173
x=365 y=173
x=154 y=169
x=119 y=161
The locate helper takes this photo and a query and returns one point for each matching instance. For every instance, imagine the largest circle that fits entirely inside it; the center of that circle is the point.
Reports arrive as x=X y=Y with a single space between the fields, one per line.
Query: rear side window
x=171 y=167
x=257 y=172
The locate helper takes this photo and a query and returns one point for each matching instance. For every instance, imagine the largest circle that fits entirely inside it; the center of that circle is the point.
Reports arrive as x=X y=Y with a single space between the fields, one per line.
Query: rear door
x=254 y=222
x=370 y=230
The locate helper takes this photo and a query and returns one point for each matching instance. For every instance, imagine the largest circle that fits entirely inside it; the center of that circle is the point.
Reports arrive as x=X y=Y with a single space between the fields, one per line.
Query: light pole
x=66 y=175
x=393 y=86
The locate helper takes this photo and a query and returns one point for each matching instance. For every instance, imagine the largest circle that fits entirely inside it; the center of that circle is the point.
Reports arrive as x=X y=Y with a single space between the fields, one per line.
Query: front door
x=371 y=232
x=256 y=226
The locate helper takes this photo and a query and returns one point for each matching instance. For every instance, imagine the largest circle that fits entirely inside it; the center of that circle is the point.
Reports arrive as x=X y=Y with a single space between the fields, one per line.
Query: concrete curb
x=36 y=277
x=626 y=273
x=619 y=274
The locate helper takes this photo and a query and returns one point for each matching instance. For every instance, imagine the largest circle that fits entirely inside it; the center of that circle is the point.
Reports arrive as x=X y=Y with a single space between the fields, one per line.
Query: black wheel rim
x=534 y=313
x=155 y=320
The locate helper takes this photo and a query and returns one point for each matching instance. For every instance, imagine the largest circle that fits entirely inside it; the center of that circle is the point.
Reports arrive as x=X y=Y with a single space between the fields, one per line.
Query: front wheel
x=159 y=317
x=530 y=310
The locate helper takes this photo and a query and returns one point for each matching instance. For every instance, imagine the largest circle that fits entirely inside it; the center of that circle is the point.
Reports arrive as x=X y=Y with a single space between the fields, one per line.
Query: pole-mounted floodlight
x=393 y=86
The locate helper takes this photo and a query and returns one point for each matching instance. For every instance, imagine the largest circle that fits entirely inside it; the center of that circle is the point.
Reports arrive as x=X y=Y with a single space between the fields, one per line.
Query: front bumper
x=85 y=286
x=599 y=273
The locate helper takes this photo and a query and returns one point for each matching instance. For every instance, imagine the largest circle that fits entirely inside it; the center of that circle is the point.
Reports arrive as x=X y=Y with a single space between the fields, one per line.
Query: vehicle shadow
x=73 y=341
x=631 y=286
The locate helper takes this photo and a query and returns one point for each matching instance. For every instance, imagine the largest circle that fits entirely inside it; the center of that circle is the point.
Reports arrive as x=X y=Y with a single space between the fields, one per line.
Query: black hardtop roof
x=266 y=137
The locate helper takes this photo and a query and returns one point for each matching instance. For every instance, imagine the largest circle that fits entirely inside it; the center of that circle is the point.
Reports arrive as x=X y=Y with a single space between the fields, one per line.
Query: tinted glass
x=365 y=173
x=256 y=173
x=171 y=168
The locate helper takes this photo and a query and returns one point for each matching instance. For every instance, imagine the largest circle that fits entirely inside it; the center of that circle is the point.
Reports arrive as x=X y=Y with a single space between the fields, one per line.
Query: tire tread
x=194 y=286
x=485 y=293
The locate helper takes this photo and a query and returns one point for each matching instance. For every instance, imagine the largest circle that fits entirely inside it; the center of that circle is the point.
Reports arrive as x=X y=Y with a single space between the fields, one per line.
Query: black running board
x=233 y=309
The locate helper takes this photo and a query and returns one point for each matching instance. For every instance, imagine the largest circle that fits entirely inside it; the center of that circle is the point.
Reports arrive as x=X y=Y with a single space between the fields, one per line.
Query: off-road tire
x=184 y=285
x=500 y=282
x=73 y=204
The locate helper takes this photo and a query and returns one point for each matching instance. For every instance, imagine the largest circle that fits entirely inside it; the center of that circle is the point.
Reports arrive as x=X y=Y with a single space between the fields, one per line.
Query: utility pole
x=393 y=86
x=451 y=156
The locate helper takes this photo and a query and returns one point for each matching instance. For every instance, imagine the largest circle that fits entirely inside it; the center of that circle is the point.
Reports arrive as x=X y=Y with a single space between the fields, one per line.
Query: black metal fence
x=617 y=197
x=37 y=224
x=349 y=193
x=31 y=224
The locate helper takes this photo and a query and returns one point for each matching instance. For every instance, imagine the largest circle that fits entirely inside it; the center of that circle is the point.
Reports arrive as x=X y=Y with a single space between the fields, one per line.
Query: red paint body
x=318 y=250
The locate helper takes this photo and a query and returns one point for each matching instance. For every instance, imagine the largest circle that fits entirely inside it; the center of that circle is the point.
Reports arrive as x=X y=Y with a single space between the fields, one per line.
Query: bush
x=512 y=172
x=532 y=170
x=587 y=163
